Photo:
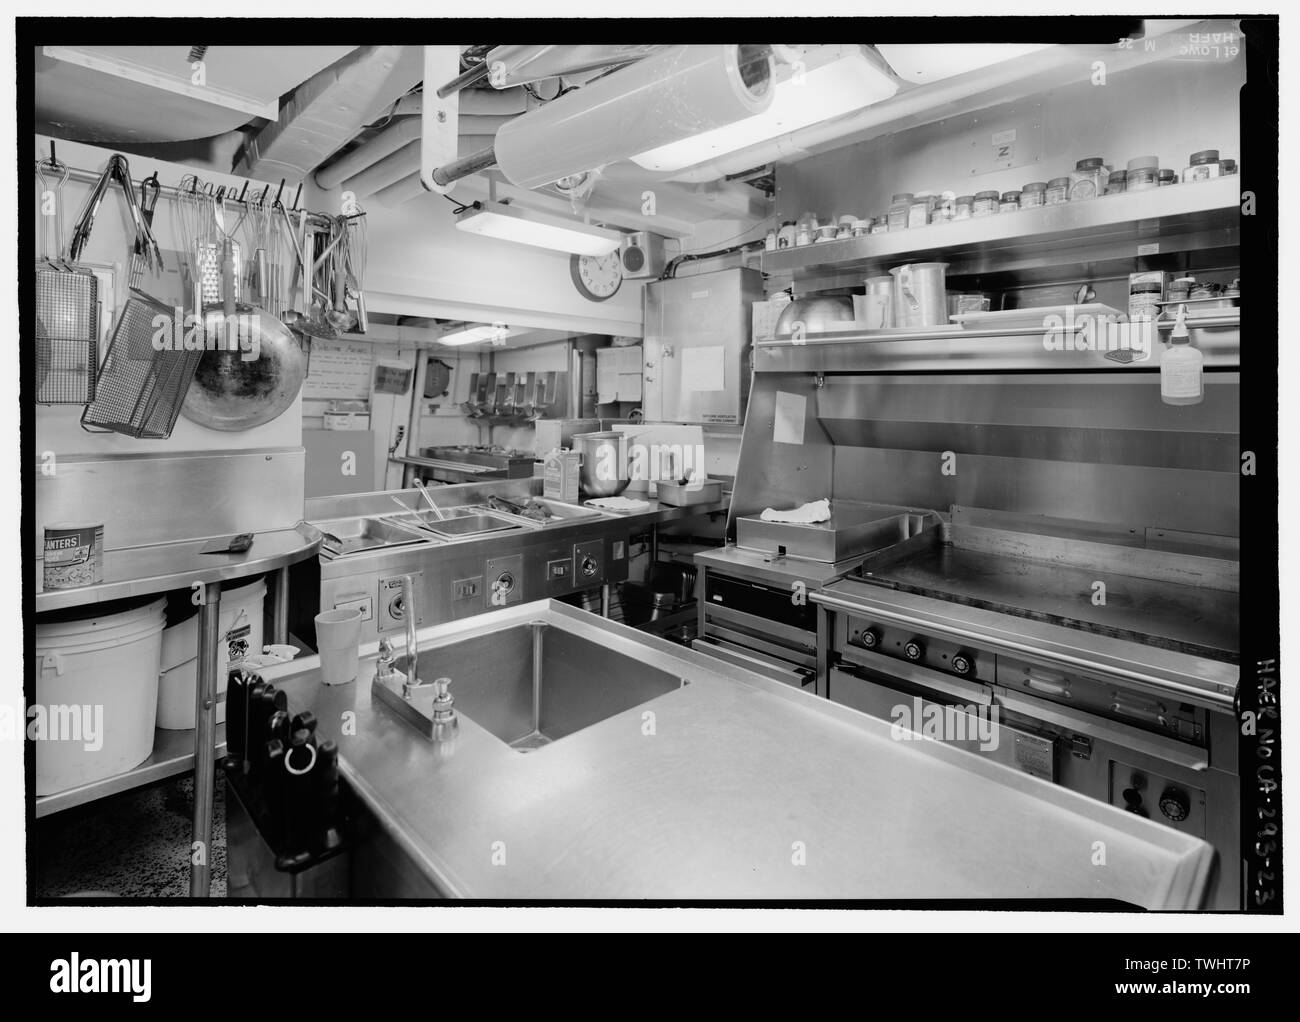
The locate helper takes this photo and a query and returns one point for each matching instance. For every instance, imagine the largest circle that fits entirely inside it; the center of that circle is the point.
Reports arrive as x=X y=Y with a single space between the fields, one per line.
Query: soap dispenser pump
x=1181 y=377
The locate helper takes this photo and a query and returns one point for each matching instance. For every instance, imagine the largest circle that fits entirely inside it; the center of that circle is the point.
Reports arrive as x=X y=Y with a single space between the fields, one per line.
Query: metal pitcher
x=920 y=295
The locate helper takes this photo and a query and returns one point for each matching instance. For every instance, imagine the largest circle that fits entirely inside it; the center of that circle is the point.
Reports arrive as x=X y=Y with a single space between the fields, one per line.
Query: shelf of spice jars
x=1202 y=215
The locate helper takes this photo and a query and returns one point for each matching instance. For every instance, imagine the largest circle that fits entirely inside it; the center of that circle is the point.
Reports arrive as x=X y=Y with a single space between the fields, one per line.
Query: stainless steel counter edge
x=1191 y=858
x=1209 y=683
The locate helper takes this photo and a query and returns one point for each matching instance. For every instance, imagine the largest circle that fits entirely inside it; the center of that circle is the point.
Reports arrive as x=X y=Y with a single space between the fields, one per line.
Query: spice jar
x=1117 y=182
x=880 y=224
x=845 y=229
x=963 y=207
x=785 y=235
x=1228 y=167
x=825 y=232
x=1180 y=289
x=898 y=209
x=1088 y=179
x=1143 y=173
x=769 y=242
x=986 y=204
x=945 y=208
x=1033 y=195
x=1009 y=203
x=1058 y=191
x=861 y=228
x=1167 y=177
x=1203 y=166
x=805 y=230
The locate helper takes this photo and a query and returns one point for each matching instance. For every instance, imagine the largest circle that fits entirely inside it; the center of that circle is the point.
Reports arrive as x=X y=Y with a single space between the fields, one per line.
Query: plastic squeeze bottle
x=1180 y=367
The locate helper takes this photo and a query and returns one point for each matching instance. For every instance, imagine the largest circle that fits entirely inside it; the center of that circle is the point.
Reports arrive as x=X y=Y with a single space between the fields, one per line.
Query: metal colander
x=141 y=387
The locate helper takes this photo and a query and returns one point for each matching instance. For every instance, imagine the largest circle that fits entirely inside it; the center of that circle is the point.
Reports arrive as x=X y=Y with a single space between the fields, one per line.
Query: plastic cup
x=338 y=640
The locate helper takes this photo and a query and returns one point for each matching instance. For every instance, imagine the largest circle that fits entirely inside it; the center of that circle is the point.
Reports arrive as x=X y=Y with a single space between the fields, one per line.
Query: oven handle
x=759 y=665
x=1220 y=700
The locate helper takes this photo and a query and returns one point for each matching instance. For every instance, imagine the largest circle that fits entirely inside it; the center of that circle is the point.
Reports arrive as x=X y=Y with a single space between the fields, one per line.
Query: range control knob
x=869 y=639
x=588 y=567
x=1174 y=804
x=914 y=650
x=962 y=664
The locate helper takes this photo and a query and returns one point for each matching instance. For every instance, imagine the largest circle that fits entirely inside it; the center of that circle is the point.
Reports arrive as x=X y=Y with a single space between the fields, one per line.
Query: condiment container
x=964 y=207
x=919 y=210
x=844 y=228
x=1144 y=298
x=74 y=555
x=1088 y=179
x=786 y=234
x=1143 y=173
x=1033 y=194
x=945 y=207
x=1181 y=380
x=1117 y=182
x=985 y=204
x=1058 y=191
x=805 y=230
x=1203 y=166
x=1167 y=177
x=1009 y=203
x=862 y=227
x=769 y=242
x=1228 y=167
x=880 y=224
x=1180 y=289
x=898 y=210
x=826 y=232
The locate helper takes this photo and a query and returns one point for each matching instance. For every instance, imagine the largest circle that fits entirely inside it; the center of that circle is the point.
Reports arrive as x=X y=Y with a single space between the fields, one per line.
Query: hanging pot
x=232 y=390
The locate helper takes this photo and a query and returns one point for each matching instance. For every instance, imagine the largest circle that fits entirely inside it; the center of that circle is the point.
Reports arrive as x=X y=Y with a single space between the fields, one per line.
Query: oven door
x=962 y=713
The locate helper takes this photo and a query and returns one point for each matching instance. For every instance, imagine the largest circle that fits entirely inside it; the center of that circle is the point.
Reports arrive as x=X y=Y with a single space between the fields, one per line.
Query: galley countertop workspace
x=745 y=789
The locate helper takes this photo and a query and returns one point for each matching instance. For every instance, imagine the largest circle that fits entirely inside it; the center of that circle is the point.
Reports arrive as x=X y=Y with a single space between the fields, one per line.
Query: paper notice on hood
x=702 y=368
x=790 y=412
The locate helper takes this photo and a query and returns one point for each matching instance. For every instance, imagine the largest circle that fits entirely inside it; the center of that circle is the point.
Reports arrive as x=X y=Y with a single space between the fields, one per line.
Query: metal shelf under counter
x=1106 y=233
x=173 y=755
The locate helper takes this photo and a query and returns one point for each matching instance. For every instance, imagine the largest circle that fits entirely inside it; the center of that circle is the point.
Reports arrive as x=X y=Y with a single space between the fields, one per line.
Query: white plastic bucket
x=240 y=624
x=96 y=695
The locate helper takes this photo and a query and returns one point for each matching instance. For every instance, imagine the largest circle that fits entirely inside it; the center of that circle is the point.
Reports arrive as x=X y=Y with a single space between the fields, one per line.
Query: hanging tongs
x=145 y=245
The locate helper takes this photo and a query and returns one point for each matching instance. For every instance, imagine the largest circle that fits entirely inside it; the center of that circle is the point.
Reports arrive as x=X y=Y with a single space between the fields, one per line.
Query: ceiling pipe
x=515 y=65
x=402 y=164
x=389 y=140
x=475 y=102
x=1049 y=68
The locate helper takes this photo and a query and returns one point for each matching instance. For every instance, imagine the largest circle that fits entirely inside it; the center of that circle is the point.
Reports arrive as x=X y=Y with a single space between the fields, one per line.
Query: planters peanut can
x=74 y=555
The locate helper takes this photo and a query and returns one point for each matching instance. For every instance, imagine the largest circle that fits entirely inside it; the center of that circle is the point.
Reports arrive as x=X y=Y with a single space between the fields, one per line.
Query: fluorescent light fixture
x=803 y=97
x=474 y=334
x=510 y=223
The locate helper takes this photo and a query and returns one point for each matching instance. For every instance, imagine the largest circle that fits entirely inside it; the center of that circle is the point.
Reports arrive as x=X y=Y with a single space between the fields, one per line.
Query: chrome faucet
x=411 y=615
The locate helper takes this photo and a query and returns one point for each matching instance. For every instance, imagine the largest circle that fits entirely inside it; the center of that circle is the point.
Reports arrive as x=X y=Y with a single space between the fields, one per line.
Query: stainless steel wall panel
x=157 y=498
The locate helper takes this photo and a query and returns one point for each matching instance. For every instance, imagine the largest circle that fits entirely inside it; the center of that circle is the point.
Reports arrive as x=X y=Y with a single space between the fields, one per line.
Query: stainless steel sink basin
x=467 y=525
x=533 y=684
x=349 y=535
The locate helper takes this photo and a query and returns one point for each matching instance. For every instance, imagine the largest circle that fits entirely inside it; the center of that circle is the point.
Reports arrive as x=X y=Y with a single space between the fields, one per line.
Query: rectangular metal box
x=697 y=345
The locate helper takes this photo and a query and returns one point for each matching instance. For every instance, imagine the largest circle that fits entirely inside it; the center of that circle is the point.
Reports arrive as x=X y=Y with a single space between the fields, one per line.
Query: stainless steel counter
x=745 y=788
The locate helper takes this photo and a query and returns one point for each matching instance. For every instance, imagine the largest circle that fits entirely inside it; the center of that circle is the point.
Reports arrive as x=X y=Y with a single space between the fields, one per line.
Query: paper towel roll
x=664 y=98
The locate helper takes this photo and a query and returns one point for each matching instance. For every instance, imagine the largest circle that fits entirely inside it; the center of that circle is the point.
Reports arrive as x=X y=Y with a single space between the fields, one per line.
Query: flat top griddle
x=1200 y=621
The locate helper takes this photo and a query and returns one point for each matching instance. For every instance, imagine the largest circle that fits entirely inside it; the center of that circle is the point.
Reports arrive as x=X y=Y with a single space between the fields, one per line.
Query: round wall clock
x=597 y=278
